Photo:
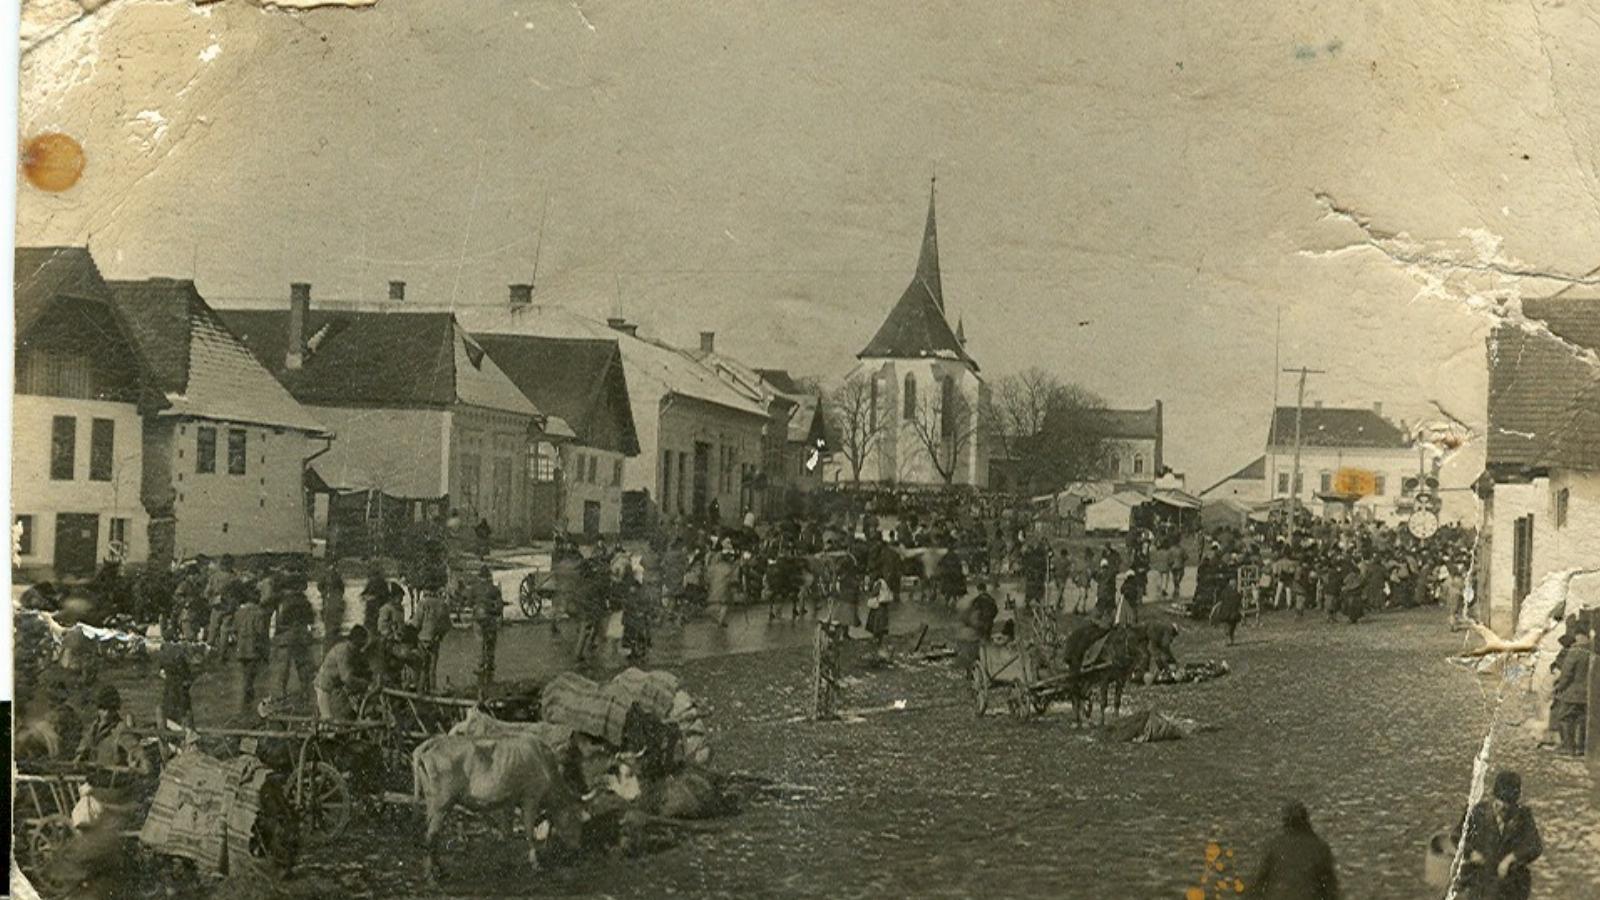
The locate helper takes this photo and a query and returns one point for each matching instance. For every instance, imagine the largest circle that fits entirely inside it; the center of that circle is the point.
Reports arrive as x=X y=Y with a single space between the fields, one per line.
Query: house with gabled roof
x=1248 y=485
x=925 y=387
x=1352 y=459
x=225 y=455
x=1541 y=484
x=700 y=439
x=429 y=426
x=77 y=426
x=581 y=381
x=156 y=434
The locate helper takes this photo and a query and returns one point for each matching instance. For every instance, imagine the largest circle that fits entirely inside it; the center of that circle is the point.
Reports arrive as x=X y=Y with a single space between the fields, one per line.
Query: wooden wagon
x=44 y=796
x=1027 y=674
x=328 y=763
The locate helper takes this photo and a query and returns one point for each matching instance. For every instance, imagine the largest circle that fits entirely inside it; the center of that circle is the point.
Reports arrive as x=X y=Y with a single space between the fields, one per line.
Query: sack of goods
x=573 y=700
x=208 y=810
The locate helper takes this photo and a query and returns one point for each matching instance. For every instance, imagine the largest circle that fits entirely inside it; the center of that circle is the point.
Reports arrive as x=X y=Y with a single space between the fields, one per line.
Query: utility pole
x=1299 y=412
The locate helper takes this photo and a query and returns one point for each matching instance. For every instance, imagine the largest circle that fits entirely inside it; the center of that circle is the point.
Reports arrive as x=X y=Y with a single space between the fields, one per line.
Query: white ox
x=486 y=773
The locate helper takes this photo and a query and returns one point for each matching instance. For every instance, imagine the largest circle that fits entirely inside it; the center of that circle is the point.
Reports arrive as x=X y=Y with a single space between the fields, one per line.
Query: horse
x=1121 y=652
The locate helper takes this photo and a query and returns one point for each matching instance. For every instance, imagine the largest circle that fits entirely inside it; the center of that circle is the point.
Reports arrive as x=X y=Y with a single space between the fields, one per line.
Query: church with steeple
x=925 y=386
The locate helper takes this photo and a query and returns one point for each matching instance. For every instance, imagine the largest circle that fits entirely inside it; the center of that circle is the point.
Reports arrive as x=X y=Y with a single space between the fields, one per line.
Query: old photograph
x=482 y=448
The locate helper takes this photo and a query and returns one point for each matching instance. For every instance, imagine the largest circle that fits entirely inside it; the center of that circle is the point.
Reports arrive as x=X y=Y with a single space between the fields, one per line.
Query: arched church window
x=1138 y=464
x=910 y=396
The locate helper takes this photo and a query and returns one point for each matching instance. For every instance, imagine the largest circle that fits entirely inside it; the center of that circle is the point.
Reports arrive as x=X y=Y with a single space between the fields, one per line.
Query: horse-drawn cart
x=1031 y=673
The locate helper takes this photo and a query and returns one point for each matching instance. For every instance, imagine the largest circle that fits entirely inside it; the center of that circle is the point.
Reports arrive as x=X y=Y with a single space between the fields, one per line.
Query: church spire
x=928 y=261
x=961 y=331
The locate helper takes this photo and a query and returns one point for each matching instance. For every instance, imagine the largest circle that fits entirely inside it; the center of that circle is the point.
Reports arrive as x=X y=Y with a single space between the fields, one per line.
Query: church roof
x=916 y=326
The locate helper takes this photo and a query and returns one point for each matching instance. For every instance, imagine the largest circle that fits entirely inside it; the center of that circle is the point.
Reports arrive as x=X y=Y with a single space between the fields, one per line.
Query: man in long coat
x=1298 y=864
x=1499 y=843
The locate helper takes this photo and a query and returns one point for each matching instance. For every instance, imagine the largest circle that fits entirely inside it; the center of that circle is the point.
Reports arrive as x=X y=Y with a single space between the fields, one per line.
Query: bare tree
x=853 y=422
x=944 y=426
x=1049 y=433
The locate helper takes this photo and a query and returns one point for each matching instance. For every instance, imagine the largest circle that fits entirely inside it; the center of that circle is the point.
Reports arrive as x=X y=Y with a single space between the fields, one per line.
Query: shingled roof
x=398 y=359
x=192 y=358
x=1326 y=426
x=916 y=326
x=1544 y=388
x=1128 y=424
x=45 y=273
x=579 y=380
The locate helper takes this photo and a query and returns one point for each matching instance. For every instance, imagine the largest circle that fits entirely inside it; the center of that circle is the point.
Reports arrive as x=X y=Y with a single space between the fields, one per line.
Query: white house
x=925 y=387
x=1541 y=485
x=1348 y=457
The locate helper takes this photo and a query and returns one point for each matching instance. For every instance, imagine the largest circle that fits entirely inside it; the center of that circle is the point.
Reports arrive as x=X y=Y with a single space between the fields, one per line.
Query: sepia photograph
x=817 y=449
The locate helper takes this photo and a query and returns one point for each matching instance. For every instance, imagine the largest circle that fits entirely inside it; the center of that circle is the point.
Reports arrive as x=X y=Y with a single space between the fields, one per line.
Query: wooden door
x=77 y=544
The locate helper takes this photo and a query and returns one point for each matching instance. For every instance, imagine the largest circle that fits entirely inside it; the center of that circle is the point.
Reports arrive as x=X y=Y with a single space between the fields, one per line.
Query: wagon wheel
x=322 y=799
x=44 y=839
x=980 y=688
x=534 y=593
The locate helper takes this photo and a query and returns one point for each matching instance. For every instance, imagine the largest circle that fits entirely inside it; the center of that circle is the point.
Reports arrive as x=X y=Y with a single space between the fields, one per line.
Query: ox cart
x=328 y=764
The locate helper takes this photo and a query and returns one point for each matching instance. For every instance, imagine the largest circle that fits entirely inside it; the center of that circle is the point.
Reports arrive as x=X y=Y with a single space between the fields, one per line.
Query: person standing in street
x=1572 y=692
x=374 y=594
x=1298 y=865
x=432 y=618
x=221 y=601
x=251 y=626
x=1229 y=610
x=720 y=576
x=977 y=623
x=330 y=591
x=293 y=637
x=1498 y=844
x=487 y=612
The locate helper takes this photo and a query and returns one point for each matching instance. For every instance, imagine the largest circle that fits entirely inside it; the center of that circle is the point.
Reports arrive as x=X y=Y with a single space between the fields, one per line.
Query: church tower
x=925 y=386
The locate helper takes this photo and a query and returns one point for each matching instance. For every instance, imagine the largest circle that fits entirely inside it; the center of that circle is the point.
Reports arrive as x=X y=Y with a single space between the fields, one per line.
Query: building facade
x=164 y=438
x=77 y=432
x=699 y=441
x=1541 y=486
x=583 y=382
x=1350 y=459
x=429 y=426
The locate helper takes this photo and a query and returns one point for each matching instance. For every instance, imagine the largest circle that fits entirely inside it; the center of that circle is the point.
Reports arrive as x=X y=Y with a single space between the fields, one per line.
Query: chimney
x=397 y=290
x=299 y=310
x=521 y=295
x=1377 y=407
x=618 y=323
x=708 y=342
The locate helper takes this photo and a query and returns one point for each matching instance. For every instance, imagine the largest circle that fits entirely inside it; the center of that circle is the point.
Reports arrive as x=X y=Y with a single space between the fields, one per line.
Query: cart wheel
x=531 y=594
x=980 y=688
x=322 y=799
x=44 y=839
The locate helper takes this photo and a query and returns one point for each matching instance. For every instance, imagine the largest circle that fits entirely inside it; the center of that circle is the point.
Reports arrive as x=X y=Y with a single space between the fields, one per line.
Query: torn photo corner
x=1048 y=450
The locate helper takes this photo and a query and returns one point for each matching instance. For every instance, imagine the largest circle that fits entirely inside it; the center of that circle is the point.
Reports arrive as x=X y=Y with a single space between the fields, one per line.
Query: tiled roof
x=646 y=363
x=579 y=380
x=1129 y=424
x=1574 y=319
x=1544 y=396
x=44 y=273
x=192 y=357
x=1326 y=426
x=916 y=327
x=401 y=359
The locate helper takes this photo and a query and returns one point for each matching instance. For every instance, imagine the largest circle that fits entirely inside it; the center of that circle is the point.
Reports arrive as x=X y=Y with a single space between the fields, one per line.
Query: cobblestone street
x=1369 y=725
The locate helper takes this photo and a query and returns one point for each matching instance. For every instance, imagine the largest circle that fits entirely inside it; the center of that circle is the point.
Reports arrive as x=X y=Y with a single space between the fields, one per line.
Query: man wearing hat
x=1501 y=841
x=103 y=740
x=488 y=610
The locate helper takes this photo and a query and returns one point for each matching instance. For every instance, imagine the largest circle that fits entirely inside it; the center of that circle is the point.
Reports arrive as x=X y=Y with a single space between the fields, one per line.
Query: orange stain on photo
x=52 y=161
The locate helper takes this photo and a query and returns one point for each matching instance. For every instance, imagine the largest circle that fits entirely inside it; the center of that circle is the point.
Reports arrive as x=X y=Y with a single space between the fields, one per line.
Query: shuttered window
x=102 y=449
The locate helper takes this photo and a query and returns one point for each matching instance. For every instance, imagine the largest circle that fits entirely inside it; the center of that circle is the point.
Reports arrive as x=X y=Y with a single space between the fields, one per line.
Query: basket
x=1441 y=854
